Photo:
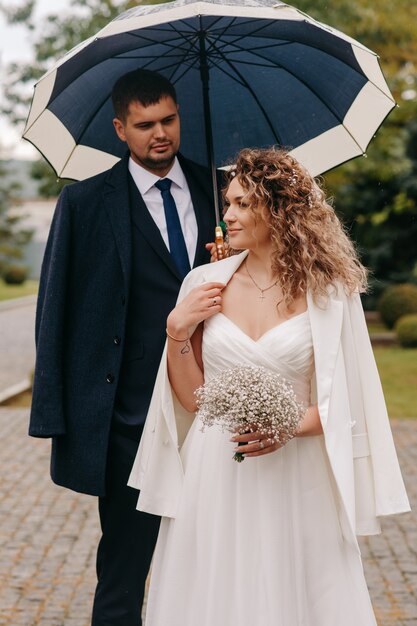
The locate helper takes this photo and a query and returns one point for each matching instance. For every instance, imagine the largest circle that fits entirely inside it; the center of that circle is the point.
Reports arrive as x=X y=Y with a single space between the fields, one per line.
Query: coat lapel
x=326 y=328
x=116 y=202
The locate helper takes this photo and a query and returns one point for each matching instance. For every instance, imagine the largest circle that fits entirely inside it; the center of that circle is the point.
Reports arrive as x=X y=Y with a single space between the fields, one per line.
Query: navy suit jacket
x=81 y=314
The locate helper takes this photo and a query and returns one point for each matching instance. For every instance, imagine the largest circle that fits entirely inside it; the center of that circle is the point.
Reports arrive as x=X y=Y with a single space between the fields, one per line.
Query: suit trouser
x=127 y=543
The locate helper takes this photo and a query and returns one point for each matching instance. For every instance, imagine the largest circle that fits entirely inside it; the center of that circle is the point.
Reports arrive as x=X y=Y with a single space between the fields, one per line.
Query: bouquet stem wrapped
x=250 y=399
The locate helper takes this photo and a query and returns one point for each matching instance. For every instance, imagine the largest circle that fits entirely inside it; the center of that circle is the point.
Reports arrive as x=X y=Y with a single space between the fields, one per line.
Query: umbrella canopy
x=248 y=74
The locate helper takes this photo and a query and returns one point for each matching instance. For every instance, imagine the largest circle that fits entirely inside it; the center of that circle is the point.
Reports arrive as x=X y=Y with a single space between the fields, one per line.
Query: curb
x=14 y=390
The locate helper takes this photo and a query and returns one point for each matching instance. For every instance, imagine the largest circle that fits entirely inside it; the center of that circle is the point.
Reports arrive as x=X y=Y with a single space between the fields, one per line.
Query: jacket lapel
x=326 y=328
x=144 y=222
x=120 y=191
x=202 y=198
x=116 y=202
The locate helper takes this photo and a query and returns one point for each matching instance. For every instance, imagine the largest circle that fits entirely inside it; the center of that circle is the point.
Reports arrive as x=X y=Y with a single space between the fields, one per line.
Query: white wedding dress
x=256 y=543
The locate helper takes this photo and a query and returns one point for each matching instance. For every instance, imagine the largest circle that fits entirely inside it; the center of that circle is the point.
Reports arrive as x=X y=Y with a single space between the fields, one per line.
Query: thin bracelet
x=185 y=349
x=174 y=338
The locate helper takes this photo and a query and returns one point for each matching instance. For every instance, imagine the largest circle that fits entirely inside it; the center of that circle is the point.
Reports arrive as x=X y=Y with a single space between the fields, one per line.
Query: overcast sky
x=15 y=46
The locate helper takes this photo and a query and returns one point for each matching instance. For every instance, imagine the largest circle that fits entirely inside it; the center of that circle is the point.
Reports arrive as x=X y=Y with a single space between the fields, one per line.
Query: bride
x=272 y=540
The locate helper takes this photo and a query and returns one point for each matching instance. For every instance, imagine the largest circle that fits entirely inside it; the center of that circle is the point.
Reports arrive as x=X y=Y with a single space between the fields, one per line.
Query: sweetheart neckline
x=266 y=332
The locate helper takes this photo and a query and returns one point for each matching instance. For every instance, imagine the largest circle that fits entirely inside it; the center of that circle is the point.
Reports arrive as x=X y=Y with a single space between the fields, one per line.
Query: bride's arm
x=310 y=424
x=185 y=368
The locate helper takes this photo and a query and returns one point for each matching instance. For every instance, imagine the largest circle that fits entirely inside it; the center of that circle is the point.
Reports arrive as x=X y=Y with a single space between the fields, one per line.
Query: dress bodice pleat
x=286 y=349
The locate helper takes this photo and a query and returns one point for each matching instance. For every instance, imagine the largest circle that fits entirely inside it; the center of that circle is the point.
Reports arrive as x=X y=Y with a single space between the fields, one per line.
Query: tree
x=376 y=196
x=13 y=238
x=377 y=199
x=49 y=186
x=56 y=35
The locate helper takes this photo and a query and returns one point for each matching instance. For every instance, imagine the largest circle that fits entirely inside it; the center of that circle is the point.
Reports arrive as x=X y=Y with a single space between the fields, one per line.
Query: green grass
x=8 y=292
x=398 y=371
x=375 y=328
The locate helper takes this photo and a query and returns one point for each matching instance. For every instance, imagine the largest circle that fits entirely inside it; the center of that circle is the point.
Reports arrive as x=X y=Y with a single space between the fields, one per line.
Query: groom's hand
x=211 y=247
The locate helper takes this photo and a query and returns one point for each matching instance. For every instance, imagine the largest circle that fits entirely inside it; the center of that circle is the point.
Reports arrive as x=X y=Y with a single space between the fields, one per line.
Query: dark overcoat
x=81 y=315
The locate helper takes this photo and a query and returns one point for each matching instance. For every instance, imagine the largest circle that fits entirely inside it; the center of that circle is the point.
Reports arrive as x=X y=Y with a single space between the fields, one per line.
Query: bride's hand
x=201 y=303
x=255 y=444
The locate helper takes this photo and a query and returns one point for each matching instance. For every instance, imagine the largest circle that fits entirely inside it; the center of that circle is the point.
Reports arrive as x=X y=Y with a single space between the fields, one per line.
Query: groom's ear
x=119 y=127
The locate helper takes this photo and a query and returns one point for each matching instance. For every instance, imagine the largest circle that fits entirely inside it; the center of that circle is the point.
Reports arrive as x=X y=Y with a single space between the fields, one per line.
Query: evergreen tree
x=13 y=238
x=56 y=35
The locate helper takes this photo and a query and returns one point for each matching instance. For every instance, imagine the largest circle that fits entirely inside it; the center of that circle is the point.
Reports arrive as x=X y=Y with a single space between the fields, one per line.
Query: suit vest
x=153 y=293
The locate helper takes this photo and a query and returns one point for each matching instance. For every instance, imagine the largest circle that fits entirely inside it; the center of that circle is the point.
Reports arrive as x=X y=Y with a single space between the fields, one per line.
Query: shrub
x=406 y=329
x=15 y=274
x=396 y=301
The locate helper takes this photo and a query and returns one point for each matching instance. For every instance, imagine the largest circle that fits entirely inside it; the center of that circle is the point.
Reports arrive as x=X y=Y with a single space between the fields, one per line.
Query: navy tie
x=176 y=240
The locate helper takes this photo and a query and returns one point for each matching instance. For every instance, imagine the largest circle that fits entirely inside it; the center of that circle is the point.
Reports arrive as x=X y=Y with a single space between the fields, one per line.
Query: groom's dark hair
x=141 y=86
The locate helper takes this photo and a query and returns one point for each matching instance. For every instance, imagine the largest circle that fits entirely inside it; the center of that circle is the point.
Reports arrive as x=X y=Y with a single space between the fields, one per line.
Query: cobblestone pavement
x=17 y=341
x=48 y=538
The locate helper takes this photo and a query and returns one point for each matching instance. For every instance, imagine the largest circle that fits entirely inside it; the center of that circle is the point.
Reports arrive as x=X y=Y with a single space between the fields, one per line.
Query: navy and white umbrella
x=248 y=73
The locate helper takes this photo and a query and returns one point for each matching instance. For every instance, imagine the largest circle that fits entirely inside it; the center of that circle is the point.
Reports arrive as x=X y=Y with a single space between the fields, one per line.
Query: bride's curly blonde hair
x=311 y=247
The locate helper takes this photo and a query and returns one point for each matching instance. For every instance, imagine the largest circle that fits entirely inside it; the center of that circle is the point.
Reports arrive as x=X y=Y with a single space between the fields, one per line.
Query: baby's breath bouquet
x=250 y=398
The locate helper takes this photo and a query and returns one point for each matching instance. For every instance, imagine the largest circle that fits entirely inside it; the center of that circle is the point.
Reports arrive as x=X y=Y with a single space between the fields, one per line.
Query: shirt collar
x=145 y=180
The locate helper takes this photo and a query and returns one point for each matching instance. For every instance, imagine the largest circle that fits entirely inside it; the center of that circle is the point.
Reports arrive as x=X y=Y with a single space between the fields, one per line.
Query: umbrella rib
x=336 y=115
x=164 y=43
x=294 y=41
x=101 y=105
x=146 y=57
x=255 y=48
x=67 y=160
x=181 y=57
x=103 y=102
x=240 y=37
x=186 y=70
x=189 y=65
x=229 y=74
x=216 y=37
x=244 y=83
x=91 y=117
x=254 y=96
x=192 y=46
x=185 y=36
x=289 y=43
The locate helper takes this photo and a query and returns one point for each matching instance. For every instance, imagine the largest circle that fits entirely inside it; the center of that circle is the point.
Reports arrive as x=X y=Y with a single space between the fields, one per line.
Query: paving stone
x=49 y=535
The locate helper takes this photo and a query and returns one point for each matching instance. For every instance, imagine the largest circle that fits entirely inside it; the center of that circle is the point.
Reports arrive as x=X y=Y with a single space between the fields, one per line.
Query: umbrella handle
x=219 y=241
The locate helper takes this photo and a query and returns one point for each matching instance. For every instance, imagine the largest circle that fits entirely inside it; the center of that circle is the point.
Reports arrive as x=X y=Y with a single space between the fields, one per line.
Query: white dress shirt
x=145 y=182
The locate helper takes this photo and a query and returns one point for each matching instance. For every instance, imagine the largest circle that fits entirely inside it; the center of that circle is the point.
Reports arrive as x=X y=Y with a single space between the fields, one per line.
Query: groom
x=119 y=247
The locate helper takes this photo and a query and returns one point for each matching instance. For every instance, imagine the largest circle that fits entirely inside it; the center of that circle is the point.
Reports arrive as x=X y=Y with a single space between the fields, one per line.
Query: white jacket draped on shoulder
x=351 y=404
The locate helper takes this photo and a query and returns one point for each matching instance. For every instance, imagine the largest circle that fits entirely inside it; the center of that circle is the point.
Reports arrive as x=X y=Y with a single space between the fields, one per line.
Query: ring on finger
x=214 y=301
x=261 y=445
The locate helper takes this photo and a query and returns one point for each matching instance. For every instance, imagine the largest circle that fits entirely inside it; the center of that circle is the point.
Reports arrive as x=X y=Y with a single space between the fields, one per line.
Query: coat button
x=110 y=378
x=116 y=340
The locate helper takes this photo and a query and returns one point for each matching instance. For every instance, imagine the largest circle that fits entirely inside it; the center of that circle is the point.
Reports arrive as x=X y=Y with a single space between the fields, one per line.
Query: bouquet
x=250 y=399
